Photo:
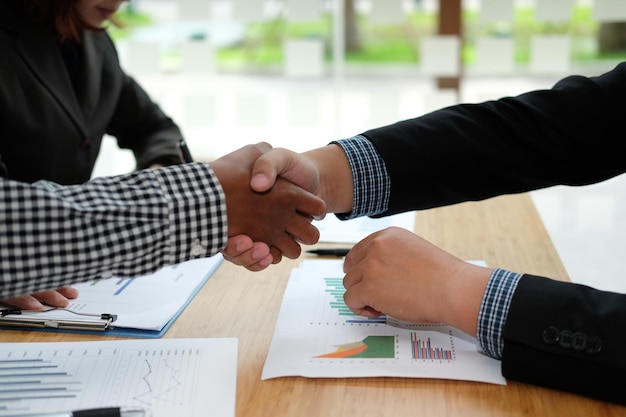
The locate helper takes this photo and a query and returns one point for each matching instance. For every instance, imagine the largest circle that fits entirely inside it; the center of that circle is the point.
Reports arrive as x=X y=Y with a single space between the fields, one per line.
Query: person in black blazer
x=555 y=334
x=60 y=93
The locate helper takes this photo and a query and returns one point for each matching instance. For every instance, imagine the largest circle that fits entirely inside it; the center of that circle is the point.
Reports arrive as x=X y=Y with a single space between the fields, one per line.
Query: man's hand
x=254 y=256
x=280 y=217
x=36 y=301
x=397 y=273
x=287 y=164
x=324 y=172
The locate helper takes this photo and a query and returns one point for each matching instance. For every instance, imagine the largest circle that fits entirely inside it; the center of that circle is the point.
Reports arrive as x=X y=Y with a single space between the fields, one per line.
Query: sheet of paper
x=146 y=303
x=170 y=377
x=354 y=230
x=316 y=336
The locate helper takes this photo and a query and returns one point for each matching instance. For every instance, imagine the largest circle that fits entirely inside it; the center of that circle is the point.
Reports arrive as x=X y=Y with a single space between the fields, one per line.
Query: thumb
x=267 y=167
x=263 y=176
x=289 y=165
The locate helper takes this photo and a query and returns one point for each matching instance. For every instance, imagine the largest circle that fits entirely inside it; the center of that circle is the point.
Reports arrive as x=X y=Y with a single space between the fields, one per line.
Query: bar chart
x=317 y=335
x=426 y=350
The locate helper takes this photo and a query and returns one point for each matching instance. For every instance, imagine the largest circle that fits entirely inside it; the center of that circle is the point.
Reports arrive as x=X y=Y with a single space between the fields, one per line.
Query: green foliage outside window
x=262 y=45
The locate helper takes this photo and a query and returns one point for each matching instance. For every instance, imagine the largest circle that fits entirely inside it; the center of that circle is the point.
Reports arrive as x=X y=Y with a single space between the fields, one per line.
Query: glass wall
x=376 y=36
x=300 y=73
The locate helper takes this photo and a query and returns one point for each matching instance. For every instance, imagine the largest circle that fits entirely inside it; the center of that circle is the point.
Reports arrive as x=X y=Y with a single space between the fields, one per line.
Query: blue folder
x=110 y=329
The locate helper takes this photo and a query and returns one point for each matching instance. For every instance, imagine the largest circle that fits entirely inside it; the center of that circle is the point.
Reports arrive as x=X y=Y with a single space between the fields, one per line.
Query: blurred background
x=300 y=73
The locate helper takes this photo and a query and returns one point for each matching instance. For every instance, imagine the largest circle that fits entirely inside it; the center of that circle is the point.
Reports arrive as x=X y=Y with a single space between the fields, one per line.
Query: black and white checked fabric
x=128 y=225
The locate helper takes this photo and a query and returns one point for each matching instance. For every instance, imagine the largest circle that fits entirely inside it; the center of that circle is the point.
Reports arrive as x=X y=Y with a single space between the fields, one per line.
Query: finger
x=277 y=256
x=241 y=250
x=235 y=246
x=261 y=265
x=353 y=275
x=320 y=217
x=52 y=298
x=367 y=312
x=310 y=204
x=303 y=231
x=257 y=257
x=68 y=292
x=357 y=304
x=287 y=245
x=24 y=302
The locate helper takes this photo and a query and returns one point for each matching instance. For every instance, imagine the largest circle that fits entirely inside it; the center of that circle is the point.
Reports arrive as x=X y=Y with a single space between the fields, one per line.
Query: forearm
x=128 y=225
x=336 y=186
x=462 y=297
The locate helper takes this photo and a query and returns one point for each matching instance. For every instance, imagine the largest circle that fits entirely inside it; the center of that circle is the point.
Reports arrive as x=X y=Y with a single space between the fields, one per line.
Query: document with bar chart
x=168 y=377
x=317 y=336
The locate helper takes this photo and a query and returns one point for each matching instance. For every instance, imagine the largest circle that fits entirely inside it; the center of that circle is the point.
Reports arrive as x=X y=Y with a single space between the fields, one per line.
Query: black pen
x=94 y=412
x=184 y=151
x=330 y=251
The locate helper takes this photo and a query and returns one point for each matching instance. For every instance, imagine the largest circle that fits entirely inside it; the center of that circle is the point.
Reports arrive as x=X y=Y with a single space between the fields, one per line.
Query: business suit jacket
x=558 y=335
x=50 y=131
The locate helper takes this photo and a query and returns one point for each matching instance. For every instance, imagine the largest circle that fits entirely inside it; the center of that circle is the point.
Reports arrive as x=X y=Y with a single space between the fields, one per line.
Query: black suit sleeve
x=559 y=335
x=138 y=122
x=568 y=337
x=151 y=134
x=571 y=134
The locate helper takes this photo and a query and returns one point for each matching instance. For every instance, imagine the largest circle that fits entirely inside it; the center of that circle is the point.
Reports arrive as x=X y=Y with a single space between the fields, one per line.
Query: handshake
x=267 y=197
x=272 y=196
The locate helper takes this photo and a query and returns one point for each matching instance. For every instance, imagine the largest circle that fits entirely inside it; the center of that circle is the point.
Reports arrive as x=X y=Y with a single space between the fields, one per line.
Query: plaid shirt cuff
x=197 y=213
x=372 y=185
x=494 y=309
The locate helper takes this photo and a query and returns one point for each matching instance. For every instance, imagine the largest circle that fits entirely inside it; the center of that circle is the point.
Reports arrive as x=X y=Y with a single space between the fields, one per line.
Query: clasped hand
x=263 y=226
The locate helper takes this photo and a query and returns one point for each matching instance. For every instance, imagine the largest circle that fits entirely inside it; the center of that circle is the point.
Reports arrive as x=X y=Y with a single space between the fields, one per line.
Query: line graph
x=160 y=385
x=163 y=375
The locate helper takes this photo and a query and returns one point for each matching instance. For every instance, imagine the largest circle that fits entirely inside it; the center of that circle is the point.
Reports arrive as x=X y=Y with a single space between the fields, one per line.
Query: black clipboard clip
x=102 y=322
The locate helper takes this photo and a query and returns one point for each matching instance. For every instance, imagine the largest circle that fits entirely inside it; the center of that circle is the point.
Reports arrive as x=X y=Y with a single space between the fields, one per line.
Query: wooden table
x=504 y=231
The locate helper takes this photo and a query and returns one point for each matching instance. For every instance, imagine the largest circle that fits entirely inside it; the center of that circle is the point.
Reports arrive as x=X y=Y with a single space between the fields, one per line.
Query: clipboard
x=142 y=307
x=10 y=317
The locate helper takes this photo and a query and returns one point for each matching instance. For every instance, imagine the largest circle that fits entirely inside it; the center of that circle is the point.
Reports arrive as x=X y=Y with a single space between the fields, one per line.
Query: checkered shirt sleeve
x=493 y=311
x=372 y=185
x=128 y=225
